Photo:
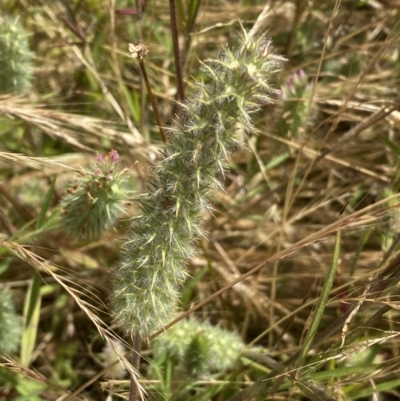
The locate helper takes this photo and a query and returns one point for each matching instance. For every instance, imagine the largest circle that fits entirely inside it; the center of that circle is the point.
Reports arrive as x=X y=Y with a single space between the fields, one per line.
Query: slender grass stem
x=139 y=52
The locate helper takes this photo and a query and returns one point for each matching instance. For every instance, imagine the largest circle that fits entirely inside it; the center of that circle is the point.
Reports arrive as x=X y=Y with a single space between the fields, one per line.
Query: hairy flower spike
x=146 y=289
x=15 y=57
x=93 y=204
x=197 y=355
x=10 y=327
x=295 y=106
x=200 y=347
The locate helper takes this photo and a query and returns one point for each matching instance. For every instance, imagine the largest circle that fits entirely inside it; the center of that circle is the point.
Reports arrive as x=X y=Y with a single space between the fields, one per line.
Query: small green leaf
x=190 y=286
x=393 y=147
x=31 y=320
x=45 y=205
x=5 y=264
x=323 y=299
x=276 y=161
x=29 y=389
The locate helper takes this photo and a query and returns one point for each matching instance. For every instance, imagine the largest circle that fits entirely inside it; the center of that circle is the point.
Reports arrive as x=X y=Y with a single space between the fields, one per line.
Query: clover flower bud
x=95 y=201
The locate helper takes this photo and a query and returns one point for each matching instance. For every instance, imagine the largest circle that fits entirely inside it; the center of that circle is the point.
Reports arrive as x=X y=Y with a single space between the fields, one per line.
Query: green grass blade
x=316 y=319
x=46 y=204
x=277 y=161
x=31 y=320
x=390 y=144
x=376 y=390
x=191 y=285
x=193 y=9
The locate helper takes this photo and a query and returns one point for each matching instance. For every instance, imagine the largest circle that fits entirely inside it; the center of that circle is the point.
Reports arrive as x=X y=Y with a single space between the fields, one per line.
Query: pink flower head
x=99 y=158
x=289 y=82
x=114 y=155
x=96 y=171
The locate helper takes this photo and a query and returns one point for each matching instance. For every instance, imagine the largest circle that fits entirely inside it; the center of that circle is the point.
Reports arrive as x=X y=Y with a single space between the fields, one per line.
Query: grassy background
x=285 y=198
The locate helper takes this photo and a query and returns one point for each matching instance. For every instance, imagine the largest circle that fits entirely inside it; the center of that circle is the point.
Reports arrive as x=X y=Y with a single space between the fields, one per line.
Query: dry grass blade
x=39 y=163
x=81 y=132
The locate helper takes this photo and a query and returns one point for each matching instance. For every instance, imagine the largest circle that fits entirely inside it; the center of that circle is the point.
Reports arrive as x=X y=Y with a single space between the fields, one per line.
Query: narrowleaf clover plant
x=161 y=240
x=295 y=96
x=15 y=57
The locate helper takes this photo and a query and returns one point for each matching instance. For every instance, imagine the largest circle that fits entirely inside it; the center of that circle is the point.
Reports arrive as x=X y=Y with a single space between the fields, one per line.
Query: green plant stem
x=293 y=32
x=177 y=56
x=194 y=10
x=152 y=99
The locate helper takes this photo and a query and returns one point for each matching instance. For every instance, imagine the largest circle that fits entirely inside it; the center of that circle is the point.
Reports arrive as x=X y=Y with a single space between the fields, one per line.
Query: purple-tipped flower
x=114 y=155
x=295 y=97
x=94 y=203
x=296 y=84
x=99 y=158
